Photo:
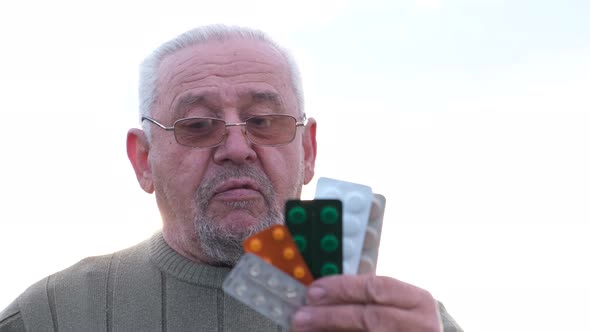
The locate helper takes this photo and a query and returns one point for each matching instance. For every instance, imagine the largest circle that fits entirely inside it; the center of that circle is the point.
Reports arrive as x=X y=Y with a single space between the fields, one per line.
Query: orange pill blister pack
x=276 y=246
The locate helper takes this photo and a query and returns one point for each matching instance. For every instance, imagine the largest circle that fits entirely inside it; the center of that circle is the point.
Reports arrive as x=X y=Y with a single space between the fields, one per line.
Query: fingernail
x=301 y=319
x=315 y=294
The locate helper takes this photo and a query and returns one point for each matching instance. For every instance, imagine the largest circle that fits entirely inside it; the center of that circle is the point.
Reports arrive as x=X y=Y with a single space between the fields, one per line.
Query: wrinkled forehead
x=232 y=62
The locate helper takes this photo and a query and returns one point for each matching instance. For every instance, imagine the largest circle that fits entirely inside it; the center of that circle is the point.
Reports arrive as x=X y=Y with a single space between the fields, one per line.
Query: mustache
x=207 y=188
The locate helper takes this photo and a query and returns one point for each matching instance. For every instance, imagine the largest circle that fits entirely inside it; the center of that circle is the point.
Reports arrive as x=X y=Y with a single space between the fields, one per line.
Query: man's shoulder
x=448 y=322
x=96 y=268
x=11 y=319
x=38 y=292
x=85 y=277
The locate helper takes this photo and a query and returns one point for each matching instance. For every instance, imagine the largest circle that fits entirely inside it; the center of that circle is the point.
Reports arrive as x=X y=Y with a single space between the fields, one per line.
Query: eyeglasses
x=265 y=130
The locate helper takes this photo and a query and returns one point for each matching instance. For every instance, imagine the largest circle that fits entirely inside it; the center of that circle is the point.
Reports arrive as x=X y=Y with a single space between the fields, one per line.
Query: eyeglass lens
x=261 y=130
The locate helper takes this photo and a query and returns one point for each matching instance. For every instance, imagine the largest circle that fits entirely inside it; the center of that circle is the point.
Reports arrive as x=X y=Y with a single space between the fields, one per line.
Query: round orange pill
x=299 y=272
x=255 y=245
x=278 y=234
x=288 y=253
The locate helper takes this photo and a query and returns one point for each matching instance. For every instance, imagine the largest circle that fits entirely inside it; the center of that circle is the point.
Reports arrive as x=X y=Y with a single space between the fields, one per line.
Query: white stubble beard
x=221 y=247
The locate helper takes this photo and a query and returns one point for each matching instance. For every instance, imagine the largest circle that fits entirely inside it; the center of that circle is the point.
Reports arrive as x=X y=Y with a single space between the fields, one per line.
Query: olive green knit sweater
x=148 y=287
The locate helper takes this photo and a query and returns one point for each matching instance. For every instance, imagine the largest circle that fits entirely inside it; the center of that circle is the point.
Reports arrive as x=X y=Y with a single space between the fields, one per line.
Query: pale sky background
x=471 y=117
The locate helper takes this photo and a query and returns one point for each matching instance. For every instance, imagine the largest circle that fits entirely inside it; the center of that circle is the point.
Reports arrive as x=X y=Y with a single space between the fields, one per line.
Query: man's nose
x=236 y=147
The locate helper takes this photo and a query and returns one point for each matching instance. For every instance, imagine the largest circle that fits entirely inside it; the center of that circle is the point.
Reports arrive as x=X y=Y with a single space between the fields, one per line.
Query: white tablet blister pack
x=265 y=288
x=370 y=252
x=356 y=205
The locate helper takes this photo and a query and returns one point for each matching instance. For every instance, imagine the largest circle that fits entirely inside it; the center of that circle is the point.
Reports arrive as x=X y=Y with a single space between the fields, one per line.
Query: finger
x=366 y=289
x=363 y=318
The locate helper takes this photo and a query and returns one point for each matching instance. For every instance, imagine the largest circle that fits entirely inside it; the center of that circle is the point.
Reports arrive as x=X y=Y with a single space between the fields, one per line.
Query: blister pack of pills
x=370 y=251
x=337 y=232
x=265 y=288
x=276 y=247
x=356 y=204
x=316 y=227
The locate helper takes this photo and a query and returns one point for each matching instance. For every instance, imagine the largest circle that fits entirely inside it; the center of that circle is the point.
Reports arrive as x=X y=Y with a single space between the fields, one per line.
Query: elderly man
x=225 y=142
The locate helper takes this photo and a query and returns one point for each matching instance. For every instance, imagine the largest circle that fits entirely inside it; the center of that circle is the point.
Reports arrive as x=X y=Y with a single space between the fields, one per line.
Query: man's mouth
x=237 y=190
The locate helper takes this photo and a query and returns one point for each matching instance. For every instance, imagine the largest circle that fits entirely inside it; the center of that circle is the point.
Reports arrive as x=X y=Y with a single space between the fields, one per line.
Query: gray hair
x=148 y=70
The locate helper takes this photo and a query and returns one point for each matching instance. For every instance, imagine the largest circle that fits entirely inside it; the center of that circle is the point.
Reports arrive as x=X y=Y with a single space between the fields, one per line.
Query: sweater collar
x=178 y=266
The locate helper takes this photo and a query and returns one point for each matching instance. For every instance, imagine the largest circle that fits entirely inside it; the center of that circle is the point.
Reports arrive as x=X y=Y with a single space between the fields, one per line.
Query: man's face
x=212 y=198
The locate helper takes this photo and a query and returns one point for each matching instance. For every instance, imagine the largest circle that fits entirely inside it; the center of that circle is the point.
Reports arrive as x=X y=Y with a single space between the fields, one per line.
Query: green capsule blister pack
x=316 y=227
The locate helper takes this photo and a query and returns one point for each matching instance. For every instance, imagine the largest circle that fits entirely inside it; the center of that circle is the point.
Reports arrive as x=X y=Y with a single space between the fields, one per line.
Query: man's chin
x=237 y=223
x=221 y=234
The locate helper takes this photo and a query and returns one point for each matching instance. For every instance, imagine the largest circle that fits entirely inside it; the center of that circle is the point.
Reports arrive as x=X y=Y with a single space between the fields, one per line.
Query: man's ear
x=309 y=149
x=138 y=149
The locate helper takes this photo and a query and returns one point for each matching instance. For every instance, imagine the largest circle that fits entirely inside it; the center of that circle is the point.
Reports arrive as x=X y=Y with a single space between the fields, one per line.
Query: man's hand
x=366 y=303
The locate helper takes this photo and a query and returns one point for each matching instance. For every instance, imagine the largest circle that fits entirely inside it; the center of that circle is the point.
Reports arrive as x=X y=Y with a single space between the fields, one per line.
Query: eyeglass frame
x=298 y=123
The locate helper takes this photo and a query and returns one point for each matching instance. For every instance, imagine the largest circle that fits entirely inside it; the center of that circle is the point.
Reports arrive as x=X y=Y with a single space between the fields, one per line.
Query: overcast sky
x=471 y=117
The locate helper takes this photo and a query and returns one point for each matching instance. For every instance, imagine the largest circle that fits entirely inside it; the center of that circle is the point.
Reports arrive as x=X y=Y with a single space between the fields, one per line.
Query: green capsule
x=297 y=215
x=329 y=243
x=301 y=242
x=329 y=269
x=329 y=215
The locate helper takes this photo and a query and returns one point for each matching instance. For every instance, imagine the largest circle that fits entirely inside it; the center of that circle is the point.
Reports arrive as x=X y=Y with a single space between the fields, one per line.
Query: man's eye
x=198 y=125
x=260 y=122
